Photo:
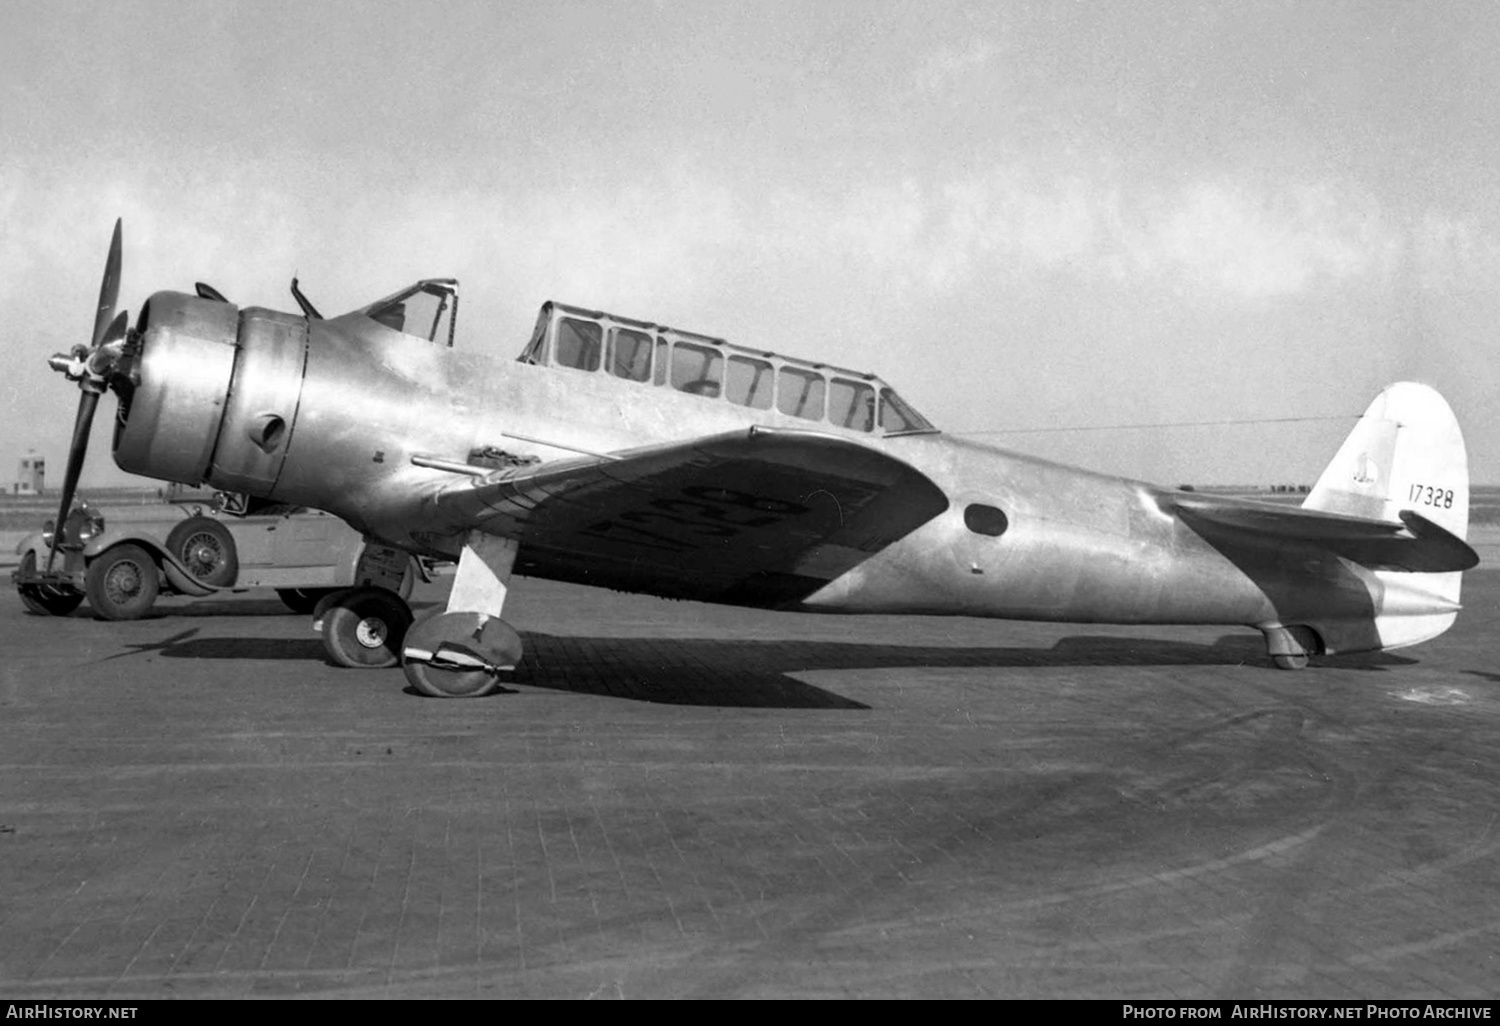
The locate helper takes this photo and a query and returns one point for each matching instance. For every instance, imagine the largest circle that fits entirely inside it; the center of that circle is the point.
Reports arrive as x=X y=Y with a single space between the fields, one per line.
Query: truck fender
x=178 y=575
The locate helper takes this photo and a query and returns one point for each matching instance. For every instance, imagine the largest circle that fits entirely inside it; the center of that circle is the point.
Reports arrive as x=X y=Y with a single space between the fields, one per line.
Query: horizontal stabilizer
x=1415 y=545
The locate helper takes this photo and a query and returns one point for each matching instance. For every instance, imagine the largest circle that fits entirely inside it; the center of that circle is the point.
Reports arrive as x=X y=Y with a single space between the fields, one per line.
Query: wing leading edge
x=1416 y=545
x=762 y=518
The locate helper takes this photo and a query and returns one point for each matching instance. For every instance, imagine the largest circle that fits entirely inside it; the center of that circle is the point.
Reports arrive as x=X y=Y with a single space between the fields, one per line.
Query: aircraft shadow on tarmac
x=758 y=673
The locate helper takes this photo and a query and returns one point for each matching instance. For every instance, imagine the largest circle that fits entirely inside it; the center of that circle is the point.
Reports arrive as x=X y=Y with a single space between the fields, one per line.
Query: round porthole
x=982 y=519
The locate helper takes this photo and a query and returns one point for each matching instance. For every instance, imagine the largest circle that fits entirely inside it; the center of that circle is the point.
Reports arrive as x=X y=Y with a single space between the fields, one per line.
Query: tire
x=46 y=599
x=437 y=683
x=123 y=583
x=302 y=600
x=206 y=548
x=449 y=653
x=364 y=628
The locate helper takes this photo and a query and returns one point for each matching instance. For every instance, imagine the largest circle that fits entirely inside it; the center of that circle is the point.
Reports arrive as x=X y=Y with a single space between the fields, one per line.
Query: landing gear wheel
x=1290 y=662
x=459 y=655
x=303 y=600
x=45 y=599
x=122 y=584
x=444 y=683
x=206 y=548
x=364 y=627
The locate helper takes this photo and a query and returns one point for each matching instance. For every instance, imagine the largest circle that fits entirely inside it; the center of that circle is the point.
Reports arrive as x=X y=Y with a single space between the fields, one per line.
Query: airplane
x=624 y=454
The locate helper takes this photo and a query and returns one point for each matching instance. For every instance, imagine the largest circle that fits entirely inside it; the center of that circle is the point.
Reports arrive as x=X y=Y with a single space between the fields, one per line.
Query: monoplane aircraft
x=628 y=455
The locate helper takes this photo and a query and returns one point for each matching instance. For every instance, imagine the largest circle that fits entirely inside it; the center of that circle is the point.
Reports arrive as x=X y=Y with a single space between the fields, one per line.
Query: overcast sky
x=1024 y=216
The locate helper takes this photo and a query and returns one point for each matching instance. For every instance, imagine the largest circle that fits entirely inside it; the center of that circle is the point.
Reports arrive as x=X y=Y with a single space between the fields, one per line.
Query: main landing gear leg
x=460 y=653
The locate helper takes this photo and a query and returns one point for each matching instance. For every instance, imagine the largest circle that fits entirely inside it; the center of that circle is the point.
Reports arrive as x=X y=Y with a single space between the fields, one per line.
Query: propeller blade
x=109 y=288
x=207 y=291
x=108 y=328
x=83 y=423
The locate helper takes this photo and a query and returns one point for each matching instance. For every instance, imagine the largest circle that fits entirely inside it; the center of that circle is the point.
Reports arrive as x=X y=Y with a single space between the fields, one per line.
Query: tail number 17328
x=1428 y=495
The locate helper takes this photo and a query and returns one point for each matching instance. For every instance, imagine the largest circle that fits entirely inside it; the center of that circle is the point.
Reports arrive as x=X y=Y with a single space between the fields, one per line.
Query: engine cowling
x=215 y=394
x=169 y=423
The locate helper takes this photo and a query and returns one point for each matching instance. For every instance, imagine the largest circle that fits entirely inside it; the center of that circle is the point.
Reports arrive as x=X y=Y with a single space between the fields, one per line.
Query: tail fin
x=1406 y=453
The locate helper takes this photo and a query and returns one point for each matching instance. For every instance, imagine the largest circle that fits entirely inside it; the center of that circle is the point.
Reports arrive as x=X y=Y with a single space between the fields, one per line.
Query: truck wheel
x=122 y=583
x=364 y=627
x=45 y=599
x=206 y=548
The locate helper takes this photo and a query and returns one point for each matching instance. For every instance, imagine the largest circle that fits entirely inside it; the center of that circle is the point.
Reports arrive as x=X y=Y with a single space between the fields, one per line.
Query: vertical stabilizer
x=1406 y=453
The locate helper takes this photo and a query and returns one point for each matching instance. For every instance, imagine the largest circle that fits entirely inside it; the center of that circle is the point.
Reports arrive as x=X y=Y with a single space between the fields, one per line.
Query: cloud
x=946 y=68
x=1454 y=254
x=1250 y=244
x=1219 y=240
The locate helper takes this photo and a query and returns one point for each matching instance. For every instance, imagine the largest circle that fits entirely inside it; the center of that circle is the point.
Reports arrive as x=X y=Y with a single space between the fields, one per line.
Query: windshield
x=427 y=310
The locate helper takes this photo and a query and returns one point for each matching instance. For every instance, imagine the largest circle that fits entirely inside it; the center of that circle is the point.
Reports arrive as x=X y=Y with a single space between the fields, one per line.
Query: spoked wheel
x=206 y=548
x=364 y=627
x=45 y=599
x=459 y=655
x=122 y=583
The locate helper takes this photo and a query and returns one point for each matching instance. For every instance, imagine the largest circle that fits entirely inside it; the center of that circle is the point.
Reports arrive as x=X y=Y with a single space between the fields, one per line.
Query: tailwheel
x=363 y=627
x=1291 y=647
x=459 y=655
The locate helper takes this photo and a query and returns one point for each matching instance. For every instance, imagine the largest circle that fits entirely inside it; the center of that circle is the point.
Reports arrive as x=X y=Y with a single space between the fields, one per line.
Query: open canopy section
x=653 y=356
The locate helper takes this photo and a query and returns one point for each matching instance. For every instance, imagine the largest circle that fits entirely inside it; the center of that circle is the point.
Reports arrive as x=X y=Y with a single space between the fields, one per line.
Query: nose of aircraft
x=90 y=366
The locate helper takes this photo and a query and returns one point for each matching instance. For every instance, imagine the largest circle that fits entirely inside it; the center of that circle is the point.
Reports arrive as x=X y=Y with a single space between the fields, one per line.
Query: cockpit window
x=426 y=310
x=698 y=370
x=898 y=418
x=650 y=355
x=750 y=382
x=578 y=344
x=851 y=404
x=800 y=393
x=629 y=354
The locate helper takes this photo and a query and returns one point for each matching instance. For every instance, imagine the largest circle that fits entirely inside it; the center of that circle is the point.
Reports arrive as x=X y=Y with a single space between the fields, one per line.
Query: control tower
x=32 y=479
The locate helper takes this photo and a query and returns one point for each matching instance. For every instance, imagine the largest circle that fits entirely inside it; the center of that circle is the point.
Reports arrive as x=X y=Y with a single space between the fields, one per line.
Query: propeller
x=89 y=365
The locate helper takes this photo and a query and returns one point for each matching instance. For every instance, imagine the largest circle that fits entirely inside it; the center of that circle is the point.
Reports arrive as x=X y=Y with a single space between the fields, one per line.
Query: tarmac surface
x=674 y=800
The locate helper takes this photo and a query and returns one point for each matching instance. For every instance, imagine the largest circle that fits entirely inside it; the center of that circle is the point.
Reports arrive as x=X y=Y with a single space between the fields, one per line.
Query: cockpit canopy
x=427 y=310
x=658 y=357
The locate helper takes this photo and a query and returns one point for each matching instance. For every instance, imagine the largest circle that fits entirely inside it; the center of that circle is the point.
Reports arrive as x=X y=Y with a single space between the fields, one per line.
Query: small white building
x=33 y=477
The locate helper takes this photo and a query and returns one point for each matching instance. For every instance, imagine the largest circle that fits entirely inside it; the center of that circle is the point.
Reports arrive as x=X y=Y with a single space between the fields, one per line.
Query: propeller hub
x=69 y=365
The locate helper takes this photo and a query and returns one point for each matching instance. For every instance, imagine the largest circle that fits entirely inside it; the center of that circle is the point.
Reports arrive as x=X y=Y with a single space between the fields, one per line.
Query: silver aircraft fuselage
x=330 y=414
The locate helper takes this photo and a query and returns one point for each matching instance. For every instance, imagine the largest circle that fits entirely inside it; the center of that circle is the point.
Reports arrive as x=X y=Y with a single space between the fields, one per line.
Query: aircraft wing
x=1416 y=545
x=764 y=517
